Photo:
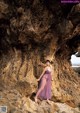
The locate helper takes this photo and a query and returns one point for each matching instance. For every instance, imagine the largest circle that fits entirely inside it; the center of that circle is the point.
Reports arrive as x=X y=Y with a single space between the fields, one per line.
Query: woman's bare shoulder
x=51 y=66
x=46 y=68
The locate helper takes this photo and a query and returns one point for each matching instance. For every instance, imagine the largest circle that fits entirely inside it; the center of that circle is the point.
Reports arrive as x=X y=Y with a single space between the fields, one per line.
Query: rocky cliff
x=32 y=31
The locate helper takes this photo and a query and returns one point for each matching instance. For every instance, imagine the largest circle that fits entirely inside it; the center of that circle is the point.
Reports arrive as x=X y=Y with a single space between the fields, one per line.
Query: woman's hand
x=38 y=79
x=52 y=79
x=42 y=64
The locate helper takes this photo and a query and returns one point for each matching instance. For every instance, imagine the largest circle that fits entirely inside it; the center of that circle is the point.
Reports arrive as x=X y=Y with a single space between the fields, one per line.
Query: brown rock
x=30 y=32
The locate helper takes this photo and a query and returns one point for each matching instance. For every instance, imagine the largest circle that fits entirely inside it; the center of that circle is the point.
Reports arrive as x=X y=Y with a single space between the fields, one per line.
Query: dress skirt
x=45 y=82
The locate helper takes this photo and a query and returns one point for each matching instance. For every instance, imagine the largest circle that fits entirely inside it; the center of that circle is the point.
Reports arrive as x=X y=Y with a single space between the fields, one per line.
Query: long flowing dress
x=46 y=92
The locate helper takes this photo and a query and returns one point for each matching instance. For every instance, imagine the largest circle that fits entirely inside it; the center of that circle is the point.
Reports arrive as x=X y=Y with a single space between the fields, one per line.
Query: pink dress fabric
x=46 y=92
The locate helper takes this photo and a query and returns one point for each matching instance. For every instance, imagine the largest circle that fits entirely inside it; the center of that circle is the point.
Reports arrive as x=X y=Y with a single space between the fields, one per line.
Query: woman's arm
x=52 y=77
x=42 y=64
x=52 y=73
x=42 y=74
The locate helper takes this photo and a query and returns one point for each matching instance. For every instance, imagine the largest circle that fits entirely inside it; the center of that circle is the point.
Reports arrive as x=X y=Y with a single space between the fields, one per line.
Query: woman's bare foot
x=36 y=100
x=48 y=101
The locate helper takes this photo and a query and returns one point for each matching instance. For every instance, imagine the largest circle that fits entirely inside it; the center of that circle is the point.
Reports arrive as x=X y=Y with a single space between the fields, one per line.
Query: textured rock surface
x=16 y=103
x=32 y=31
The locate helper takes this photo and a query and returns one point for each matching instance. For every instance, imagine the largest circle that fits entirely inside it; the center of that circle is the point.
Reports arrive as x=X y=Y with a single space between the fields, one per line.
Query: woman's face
x=47 y=63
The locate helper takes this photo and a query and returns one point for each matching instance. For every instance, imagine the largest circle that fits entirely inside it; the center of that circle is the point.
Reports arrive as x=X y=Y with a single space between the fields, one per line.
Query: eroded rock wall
x=33 y=31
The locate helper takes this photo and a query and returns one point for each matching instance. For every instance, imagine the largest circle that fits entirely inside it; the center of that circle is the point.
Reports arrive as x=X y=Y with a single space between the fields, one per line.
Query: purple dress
x=46 y=91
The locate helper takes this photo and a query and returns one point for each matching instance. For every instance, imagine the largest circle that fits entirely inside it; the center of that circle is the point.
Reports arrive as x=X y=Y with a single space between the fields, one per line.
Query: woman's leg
x=41 y=88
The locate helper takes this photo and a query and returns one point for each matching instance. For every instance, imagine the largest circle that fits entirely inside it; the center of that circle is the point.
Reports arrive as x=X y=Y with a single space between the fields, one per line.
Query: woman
x=44 y=86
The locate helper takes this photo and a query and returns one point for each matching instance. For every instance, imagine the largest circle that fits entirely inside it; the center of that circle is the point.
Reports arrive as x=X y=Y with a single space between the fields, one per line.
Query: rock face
x=32 y=31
